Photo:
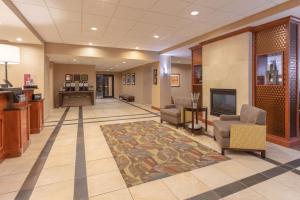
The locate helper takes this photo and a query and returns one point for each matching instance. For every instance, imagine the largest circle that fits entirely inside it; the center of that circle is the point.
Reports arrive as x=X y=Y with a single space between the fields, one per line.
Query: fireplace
x=222 y=101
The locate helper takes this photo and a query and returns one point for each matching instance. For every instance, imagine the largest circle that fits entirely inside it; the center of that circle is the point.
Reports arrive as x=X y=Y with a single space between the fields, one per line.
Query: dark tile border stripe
x=247 y=182
x=138 y=107
x=102 y=117
x=80 y=181
x=107 y=120
x=31 y=179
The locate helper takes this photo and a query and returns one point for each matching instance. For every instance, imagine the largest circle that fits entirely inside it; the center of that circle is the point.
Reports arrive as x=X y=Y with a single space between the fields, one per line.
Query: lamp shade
x=9 y=54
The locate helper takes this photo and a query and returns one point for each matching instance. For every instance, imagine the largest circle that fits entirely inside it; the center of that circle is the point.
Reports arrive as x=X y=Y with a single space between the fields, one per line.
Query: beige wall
x=59 y=76
x=32 y=62
x=227 y=65
x=185 y=88
x=143 y=84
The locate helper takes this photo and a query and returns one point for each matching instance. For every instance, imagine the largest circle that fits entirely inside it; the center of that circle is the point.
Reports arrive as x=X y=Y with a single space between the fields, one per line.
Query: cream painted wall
x=59 y=76
x=227 y=65
x=143 y=84
x=185 y=88
x=32 y=62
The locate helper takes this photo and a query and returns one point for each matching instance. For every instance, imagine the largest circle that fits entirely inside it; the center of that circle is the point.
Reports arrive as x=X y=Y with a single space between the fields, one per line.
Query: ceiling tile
x=98 y=8
x=142 y=29
x=215 y=4
x=73 y=5
x=240 y=7
x=144 y=4
x=69 y=28
x=165 y=20
x=204 y=12
x=32 y=2
x=60 y=16
x=100 y=22
x=171 y=7
x=119 y=27
x=124 y=12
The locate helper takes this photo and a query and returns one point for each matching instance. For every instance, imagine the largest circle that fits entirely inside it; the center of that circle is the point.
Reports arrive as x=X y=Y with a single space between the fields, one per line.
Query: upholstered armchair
x=246 y=131
x=174 y=113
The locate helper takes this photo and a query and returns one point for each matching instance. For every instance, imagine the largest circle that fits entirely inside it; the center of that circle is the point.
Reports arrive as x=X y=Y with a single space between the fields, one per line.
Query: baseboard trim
x=283 y=141
x=155 y=108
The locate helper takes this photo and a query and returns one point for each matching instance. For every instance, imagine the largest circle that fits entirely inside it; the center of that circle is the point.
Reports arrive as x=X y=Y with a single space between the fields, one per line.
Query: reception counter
x=17 y=121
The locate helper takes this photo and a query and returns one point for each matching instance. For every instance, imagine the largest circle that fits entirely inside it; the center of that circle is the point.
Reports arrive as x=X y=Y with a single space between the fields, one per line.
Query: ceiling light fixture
x=137 y=48
x=124 y=62
x=94 y=28
x=156 y=36
x=194 y=13
x=91 y=44
x=19 y=39
x=74 y=60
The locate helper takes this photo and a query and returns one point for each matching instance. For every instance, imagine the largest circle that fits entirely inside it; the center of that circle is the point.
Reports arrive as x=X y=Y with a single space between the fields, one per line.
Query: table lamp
x=9 y=55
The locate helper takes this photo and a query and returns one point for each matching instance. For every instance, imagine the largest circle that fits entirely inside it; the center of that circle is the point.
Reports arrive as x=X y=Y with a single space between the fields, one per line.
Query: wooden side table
x=194 y=111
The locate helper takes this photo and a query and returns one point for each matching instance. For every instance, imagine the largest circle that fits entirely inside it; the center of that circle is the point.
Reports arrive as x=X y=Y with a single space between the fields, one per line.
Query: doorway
x=104 y=86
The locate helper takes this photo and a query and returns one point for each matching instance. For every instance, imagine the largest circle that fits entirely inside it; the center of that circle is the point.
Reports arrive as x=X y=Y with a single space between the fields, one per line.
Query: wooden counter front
x=36 y=116
x=17 y=130
x=3 y=105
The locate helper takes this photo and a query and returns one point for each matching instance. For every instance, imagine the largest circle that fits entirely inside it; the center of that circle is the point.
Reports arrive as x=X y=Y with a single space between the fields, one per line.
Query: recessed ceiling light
x=195 y=12
x=156 y=36
x=91 y=44
x=94 y=28
x=137 y=48
x=19 y=39
x=124 y=62
x=74 y=60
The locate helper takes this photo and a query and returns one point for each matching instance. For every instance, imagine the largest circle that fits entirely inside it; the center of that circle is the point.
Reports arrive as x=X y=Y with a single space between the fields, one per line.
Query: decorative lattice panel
x=292 y=71
x=272 y=99
x=273 y=39
x=268 y=97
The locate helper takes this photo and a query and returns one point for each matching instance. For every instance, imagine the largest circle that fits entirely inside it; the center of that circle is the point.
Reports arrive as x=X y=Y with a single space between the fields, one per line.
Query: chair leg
x=263 y=154
x=215 y=139
x=161 y=121
x=223 y=151
x=176 y=126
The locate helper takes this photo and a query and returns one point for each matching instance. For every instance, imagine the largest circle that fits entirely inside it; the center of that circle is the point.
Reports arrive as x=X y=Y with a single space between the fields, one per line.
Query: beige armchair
x=246 y=131
x=174 y=113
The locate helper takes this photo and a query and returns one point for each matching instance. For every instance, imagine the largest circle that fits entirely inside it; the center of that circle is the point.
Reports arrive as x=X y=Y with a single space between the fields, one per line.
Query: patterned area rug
x=146 y=151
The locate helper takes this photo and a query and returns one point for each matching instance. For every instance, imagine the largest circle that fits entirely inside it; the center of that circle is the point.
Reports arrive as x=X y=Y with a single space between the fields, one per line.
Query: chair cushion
x=171 y=111
x=223 y=127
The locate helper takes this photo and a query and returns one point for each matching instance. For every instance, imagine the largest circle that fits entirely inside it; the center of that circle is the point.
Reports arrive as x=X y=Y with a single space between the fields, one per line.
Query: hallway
x=71 y=159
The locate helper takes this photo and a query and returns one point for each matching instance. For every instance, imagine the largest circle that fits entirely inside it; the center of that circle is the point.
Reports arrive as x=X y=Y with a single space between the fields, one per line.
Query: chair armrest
x=170 y=106
x=248 y=136
x=229 y=117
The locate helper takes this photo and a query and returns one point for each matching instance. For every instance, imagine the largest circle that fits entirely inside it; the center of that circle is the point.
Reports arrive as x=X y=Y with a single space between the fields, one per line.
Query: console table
x=61 y=95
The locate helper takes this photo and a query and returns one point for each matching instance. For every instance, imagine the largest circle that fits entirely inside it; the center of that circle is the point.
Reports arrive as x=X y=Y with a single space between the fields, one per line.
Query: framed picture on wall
x=175 y=80
x=68 y=77
x=133 y=79
x=128 y=79
x=84 y=77
x=76 y=77
x=124 y=79
x=155 y=76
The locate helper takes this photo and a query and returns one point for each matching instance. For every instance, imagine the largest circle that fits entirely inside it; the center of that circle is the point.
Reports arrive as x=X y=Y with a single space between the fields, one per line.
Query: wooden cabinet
x=36 y=116
x=16 y=126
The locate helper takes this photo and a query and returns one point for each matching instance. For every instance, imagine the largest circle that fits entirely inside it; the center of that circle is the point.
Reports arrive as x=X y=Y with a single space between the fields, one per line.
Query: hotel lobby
x=150 y=99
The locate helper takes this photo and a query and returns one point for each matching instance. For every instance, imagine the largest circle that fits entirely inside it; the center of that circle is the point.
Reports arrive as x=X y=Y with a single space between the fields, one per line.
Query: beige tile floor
x=104 y=180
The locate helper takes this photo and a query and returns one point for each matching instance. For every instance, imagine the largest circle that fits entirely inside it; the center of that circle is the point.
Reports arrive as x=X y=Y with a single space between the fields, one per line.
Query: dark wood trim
x=283 y=141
